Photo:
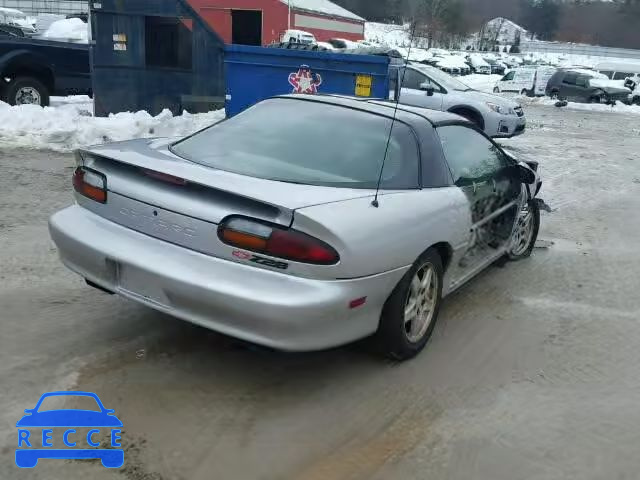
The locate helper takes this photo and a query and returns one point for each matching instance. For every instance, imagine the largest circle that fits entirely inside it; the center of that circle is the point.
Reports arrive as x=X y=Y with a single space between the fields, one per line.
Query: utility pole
x=289 y=16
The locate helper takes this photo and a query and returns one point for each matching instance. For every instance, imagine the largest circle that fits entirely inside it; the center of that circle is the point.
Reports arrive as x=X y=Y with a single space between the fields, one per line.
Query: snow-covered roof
x=324 y=7
x=506 y=23
x=586 y=71
x=452 y=62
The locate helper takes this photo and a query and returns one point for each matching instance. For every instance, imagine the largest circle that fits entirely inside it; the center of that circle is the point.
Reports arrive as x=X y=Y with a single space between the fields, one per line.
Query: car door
x=583 y=89
x=568 y=87
x=524 y=80
x=412 y=94
x=488 y=179
x=507 y=82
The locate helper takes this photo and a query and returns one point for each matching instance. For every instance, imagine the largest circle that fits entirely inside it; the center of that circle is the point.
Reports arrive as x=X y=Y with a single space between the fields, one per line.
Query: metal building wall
x=122 y=78
x=33 y=7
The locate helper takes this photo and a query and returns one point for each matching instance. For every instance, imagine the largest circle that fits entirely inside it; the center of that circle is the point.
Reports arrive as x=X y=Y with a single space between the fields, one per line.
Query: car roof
x=405 y=113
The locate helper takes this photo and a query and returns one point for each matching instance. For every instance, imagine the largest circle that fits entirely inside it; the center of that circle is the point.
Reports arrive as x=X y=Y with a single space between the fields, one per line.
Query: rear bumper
x=260 y=306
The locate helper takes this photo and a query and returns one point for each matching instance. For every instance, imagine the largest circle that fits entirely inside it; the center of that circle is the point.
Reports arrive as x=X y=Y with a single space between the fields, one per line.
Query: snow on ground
x=71 y=29
x=391 y=35
x=387 y=34
x=68 y=124
x=619 y=108
x=484 y=83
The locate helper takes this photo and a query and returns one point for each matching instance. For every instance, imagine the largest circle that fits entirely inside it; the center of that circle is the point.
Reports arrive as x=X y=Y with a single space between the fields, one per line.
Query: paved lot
x=532 y=373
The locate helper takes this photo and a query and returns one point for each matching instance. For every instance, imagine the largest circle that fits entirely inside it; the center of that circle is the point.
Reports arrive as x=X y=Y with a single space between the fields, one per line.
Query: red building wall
x=274 y=19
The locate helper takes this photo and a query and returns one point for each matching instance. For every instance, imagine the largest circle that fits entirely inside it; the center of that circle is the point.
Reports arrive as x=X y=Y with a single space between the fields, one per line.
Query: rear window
x=308 y=143
x=622 y=75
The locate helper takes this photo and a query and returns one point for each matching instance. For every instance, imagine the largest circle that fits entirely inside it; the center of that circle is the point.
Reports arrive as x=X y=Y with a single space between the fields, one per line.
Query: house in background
x=262 y=22
x=503 y=31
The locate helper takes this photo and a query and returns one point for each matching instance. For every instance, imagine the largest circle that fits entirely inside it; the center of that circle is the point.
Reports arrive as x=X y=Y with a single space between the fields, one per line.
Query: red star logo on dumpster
x=304 y=81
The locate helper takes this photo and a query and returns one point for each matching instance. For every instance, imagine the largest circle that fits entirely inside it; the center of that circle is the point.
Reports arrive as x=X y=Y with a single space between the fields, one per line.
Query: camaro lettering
x=260 y=260
x=158 y=224
x=269 y=263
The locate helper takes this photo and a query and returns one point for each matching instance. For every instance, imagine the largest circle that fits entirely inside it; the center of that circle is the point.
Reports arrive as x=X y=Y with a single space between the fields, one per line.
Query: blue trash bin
x=256 y=73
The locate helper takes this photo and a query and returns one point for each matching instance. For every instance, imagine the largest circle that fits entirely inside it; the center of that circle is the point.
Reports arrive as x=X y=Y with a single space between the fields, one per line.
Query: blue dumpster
x=256 y=73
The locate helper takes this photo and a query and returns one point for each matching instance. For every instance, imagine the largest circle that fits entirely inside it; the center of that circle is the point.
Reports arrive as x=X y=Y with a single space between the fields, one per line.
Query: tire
x=27 y=91
x=595 y=99
x=636 y=100
x=395 y=337
x=554 y=95
x=521 y=248
x=496 y=90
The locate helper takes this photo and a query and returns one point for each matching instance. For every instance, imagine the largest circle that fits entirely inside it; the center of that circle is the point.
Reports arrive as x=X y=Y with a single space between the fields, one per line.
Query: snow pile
x=70 y=125
x=71 y=29
x=44 y=21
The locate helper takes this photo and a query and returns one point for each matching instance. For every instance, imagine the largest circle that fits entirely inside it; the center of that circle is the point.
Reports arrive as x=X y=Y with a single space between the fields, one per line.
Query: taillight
x=276 y=241
x=91 y=184
x=164 y=177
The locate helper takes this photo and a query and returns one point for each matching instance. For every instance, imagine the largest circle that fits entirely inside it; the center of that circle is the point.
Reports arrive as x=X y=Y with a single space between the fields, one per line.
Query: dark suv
x=581 y=87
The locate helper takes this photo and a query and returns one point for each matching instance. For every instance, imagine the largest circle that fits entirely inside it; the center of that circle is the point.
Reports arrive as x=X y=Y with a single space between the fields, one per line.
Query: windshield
x=287 y=140
x=447 y=81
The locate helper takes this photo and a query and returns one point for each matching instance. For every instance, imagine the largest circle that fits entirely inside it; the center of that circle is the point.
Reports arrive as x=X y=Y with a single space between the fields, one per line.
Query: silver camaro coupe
x=303 y=223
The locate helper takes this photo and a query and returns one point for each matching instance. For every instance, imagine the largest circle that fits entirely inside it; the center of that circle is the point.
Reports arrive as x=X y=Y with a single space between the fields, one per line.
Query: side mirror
x=427 y=87
x=525 y=174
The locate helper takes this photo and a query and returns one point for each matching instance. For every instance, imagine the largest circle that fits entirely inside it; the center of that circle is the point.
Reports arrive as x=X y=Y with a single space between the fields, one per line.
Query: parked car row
x=465 y=65
x=572 y=84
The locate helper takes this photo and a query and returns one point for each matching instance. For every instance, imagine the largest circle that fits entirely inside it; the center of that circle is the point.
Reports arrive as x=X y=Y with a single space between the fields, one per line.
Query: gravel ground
x=532 y=372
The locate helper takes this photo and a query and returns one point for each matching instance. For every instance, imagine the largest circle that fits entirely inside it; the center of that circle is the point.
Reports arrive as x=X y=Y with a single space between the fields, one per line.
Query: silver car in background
x=428 y=87
x=270 y=226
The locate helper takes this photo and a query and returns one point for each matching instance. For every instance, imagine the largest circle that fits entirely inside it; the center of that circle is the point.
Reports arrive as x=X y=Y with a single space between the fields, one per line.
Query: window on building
x=169 y=42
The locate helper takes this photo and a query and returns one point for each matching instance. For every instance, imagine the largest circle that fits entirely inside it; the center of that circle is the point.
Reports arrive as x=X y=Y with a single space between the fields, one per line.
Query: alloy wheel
x=420 y=305
x=28 y=96
x=523 y=233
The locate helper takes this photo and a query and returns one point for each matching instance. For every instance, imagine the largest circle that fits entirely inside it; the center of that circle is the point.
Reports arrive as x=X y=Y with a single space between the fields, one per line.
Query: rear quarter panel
x=374 y=240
